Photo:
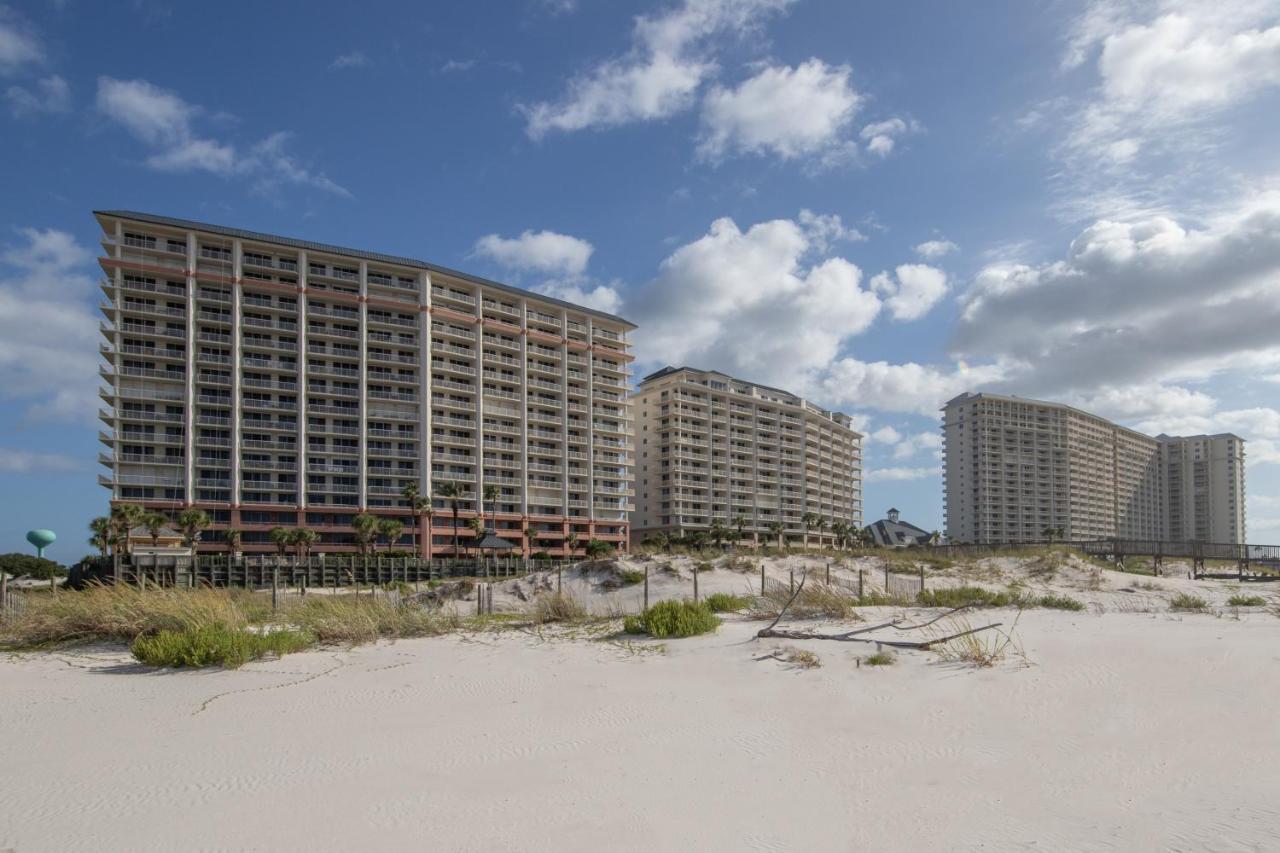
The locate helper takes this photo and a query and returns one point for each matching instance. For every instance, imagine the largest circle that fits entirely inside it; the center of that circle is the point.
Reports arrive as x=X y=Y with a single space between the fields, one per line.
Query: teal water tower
x=41 y=539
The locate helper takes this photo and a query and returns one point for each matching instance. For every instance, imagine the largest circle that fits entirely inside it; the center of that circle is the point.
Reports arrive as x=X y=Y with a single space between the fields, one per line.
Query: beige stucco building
x=1015 y=468
x=1204 y=486
x=714 y=448
x=275 y=381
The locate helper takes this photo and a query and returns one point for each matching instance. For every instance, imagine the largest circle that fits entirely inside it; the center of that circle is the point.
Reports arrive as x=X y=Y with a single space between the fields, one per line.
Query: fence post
x=861 y=572
x=793 y=581
x=762 y=577
x=275 y=587
x=922 y=577
x=646 y=586
x=695 y=583
x=886 y=578
x=828 y=573
x=558 y=578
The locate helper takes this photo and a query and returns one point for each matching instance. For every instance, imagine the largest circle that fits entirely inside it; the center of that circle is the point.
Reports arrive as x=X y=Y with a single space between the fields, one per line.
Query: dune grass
x=673 y=619
x=1246 y=601
x=354 y=619
x=631 y=577
x=726 y=602
x=816 y=600
x=1059 y=602
x=215 y=645
x=880 y=658
x=965 y=596
x=801 y=658
x=1183 y=601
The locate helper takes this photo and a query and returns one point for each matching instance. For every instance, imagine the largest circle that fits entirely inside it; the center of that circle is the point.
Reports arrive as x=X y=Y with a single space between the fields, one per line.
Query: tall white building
x=279 y=382
x=1204 y=485
x=1016 y=468
x=712 y=448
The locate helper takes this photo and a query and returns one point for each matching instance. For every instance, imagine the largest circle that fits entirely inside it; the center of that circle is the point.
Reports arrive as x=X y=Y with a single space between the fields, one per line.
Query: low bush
x=965 y=596
x=631 y=577
x=725 y=602
x=1246 y=601
x=215 y=645
x=1059 y=602
x=673 y=619
x=1183 y=601
x=880 y=658
x=705 y=566
x=28 y=565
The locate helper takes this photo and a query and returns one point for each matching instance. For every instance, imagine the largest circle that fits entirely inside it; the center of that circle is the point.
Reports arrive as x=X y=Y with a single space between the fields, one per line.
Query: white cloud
x=538 y=251
x=353 y=59
x=23 y=462
x=1134 y=302
x=826 y=229
x=48 y=330
x=933 y=249
x=601 y=297
x=19 y=44
x=789 y=112
x=884 y=435
x=882 y=136
x=877 y=475
x=454 y=66
x=166 y=123
x=908 y=387
x=746 y=303
x=669 y=60
x=49 y=95
x=921 y=442
x=914 y=291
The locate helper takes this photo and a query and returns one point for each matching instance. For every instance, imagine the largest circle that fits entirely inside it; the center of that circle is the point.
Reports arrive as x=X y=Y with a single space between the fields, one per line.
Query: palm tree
x=303 y=538
x=776 y=528
x=125 y=517
x=191 y=524
x=809 y=520
x=420 y=506
x=598 y=549
x=741 y=524
x=840 y=531
x=103 y=537
x=155 y=522
x=365 y=531
x=571 y=542
x=281 y=536
x=717 y=532
x=491 y=498
x=233 y=537
x=477 y=527
x=451 y=492
x=529 y=534
x=391 y=529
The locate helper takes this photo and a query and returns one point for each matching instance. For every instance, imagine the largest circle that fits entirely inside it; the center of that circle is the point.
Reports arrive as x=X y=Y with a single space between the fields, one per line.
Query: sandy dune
x=1126 y=731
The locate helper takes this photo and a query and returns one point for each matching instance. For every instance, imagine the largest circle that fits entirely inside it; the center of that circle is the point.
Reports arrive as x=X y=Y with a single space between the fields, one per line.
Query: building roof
x=897 y=533
x=307 y=245
x=798 y=400
x=492 y=541
x=971 y=396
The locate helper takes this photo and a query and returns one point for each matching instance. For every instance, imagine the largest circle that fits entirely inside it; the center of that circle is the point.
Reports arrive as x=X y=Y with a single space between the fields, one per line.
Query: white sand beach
x=1124 y=728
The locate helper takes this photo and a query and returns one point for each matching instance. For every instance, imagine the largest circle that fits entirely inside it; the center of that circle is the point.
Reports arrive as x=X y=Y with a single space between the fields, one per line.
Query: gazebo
x=493 y=543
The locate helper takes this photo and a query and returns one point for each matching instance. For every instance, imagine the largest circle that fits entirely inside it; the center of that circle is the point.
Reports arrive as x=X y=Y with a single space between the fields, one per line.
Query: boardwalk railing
x=1261 y=562
x=262 y=570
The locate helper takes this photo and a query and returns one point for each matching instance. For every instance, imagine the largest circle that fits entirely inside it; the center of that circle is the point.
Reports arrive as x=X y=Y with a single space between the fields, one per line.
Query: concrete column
x=591 y=416
x=362 y=498
x=478 y=485
x=237 y=302
x=193 y=347
x=524 y=422
x=424 y=384
x=302 y=379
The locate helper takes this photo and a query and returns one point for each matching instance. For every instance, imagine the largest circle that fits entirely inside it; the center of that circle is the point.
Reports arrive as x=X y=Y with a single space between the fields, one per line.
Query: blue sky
x=875 y=205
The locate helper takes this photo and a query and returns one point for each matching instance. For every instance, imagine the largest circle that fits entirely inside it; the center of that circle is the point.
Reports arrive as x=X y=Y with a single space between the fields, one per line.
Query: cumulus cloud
x=671 y=56
x=1146 y=301
x=165 y=123
x=797 y=112
x=908 y=387
x=23 y=462
x=353 y=59
x=48 y=330
x=911 y=290
x=933 y=249
x=538 y=251
x=602 y=297
x=882 y=136
x=49 y=94
x=19 y=44
x=746 y=302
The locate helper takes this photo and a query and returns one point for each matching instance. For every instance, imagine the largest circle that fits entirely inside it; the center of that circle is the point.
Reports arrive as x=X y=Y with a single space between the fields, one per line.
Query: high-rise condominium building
x=1016 y=469
x=279 y=382
x=1204 y=485
x=713 y=448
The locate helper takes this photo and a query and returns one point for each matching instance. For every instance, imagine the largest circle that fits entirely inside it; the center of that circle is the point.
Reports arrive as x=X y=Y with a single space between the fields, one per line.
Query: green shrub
x=880 y=658
x=724 y=602
x=1182 y=601
x=1246 y=601
x=673 y=619
x=631 y=577
x=19 y=565
x=214 y=645
x=705 y=566
x=1059 y=602
x=964 y=596
x=367 y=619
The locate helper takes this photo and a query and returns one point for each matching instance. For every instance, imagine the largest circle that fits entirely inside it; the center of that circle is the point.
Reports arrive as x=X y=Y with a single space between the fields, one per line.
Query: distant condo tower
x=711 y=448
x=1016 y=468
x=278 y=382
